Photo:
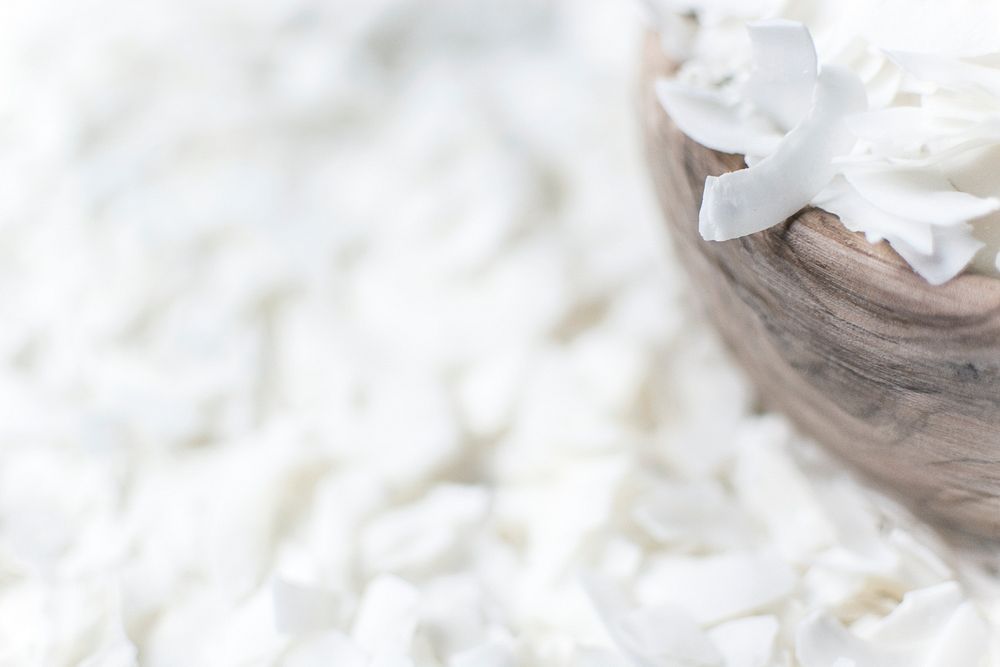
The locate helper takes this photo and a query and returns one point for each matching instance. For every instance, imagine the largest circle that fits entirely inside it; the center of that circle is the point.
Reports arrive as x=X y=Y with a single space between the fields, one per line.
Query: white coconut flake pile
x=884 y=112
x=341 y=334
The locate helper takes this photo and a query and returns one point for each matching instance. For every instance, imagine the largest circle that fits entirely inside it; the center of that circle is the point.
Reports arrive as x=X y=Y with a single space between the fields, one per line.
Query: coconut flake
x=751 y=200
x=299 y=608
x=936 y=99
x=862 y=545
x=234 y=447
x=859 y=215
x=955 y=28
x=452 y=613
x=896 y=130
x=924 y=195
x=950 y=73
x=920 y=615
x=746 y=642
x=695 y=514
x=928 y=201
x=954 y=249
x=964 y=640
x=423 y=533
x=663 y=634
x=651 y=636
x=386 y=618
x=714 y=120
x=785 y=71
x=933 y=627
x=777 y=493
x=821 y=641
x=715 y=588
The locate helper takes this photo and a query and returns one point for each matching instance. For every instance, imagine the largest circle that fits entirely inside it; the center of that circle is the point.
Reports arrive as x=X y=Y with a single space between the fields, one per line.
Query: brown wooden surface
x=899 y=378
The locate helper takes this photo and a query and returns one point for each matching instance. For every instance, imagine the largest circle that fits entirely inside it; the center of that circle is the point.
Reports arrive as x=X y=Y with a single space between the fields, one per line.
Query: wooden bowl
x=899 y=378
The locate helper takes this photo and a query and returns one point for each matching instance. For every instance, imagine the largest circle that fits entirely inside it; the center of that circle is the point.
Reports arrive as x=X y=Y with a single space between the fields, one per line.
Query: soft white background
x=344 y=333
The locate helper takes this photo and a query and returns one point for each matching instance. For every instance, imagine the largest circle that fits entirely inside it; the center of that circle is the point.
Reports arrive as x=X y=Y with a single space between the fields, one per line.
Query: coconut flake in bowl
x=883 y=113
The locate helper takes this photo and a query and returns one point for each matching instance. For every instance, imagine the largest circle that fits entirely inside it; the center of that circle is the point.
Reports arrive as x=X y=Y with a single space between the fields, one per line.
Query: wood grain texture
x=899 y=378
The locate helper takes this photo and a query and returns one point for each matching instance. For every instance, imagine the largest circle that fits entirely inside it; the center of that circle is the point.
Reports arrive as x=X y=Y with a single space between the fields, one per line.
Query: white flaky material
x=782 y=83
x=342 y=334
x=896 y=168
x=780 y=184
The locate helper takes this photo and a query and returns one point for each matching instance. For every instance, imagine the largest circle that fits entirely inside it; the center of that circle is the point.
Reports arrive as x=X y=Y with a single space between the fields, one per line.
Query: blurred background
x=344 y=333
